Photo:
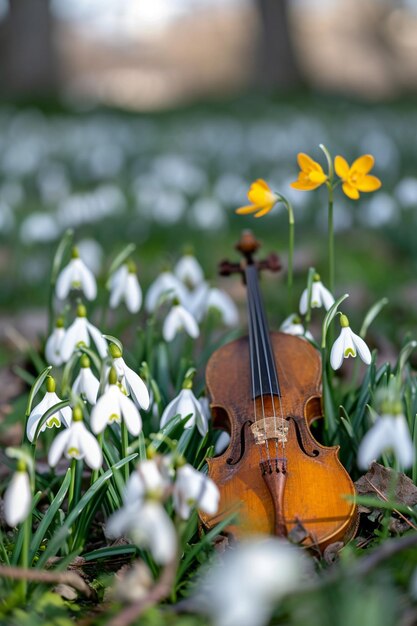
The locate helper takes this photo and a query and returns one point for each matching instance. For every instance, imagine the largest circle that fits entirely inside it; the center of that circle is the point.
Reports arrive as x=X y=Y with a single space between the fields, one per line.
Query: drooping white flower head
x=124 y=286
x=18 y=496
x=189 y=271
x=292 y=326
x=242 y=588
x=320 y=296
x=148 y=526
x=194 y=490
x=76 y=442
x=76 y=275
x=86 y=384
x=348 y=344
x=185 y=403
x=179 y=319
x=390 y=432
x=143 y=517
x=82 y=332
x=132 y=382
x=113 y=406
x=62 y=416
x=196 y=301
x=222 y=302
x=53 y=344
x=166 y=284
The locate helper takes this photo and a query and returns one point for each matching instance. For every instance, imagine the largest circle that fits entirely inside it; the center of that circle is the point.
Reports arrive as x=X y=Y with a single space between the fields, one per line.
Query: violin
x=265 y=390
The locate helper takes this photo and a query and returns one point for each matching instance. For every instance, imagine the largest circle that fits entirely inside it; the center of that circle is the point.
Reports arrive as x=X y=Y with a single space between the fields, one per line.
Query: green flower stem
x=71 y=490
x=24 y=555
x=290 y=261
x=330 y=229
x=125 y=444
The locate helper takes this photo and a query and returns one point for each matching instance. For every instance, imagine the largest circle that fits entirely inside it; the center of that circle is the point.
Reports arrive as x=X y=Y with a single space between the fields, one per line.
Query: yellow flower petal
x=317 y=177
x=369 y=183
x=264 y=211
x=363 y=164
x=244 y=210
x=307 y=164
x=303 y=185
x=260 y=193
x=350 y=191
x=341 y=167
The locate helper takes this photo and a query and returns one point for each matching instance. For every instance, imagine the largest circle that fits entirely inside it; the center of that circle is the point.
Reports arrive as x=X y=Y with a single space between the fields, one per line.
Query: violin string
x=252 y=361
x=253 y=316
x=264 y=345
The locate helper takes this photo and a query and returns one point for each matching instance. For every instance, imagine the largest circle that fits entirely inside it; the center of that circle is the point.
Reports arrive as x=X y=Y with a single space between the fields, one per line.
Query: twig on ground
x=67 y=578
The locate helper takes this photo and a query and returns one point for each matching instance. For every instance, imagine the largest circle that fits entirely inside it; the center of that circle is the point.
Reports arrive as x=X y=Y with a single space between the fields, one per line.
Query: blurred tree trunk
x=28 y=63
x=277 y=63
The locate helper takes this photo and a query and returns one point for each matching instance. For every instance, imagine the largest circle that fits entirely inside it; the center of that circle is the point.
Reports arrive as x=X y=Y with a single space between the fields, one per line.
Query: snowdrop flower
x=131 y=381
x=142 y=517
x=347 y=344
x=242 y=588
x=193 y=489
x=222 y=302
x=189 y=271
x=76 y=442
x=76 y=275
x=113 y=406
x=86 y=384
x=49 y=400
x=124 y=286
x=147 y=525
x=222 y=443
x=167 y=284
x=320 y=296
x=196 y=301
x=82 y=331
x=390 y=432
x=179 y=319
x=186 y=404
x=292 y=326
x=18 y=496
x=53 y=344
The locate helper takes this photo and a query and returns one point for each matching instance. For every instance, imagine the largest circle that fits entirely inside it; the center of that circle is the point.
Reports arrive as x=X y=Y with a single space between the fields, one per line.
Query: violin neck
x=263 y=370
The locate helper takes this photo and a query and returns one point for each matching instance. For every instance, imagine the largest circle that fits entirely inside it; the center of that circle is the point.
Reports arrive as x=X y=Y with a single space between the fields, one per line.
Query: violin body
x=274 y=475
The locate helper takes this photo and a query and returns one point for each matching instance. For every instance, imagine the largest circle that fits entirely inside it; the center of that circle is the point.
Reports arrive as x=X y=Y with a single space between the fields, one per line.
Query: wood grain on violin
x=265 y=390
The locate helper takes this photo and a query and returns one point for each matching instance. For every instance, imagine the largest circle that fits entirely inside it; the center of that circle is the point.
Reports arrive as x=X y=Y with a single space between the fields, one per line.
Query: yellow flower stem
x=125 y=444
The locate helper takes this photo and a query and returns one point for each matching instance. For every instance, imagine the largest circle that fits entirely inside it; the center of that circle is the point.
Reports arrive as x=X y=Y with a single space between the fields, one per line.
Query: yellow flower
x=355 y=178
x=262 y=198
x=311 y=175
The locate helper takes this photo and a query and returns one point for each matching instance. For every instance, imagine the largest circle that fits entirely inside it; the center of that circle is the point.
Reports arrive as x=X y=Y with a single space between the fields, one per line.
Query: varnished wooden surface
x=316 y=482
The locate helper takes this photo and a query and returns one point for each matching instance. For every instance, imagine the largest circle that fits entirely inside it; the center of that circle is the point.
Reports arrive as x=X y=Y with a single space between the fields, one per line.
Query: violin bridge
x=270 y=428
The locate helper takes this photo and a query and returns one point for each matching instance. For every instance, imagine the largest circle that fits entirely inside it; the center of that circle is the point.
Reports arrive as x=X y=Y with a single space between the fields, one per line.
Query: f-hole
x=230 y=460
x=308 y=449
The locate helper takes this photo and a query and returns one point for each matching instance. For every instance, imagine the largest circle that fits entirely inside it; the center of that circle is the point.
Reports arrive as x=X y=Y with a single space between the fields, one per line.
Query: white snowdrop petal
x=337 y=353
x=90 y=385
x=157 y=531
x=97 y=337
x=402 y=442
x=17 y=499
x=118 y=286
x=137 y=388
x=375 y=441
x=188 y=322
x=75 y=334
x=304 y=302
x=58 y=447
x=326 y=297
x=53 y=347
x=120 y=522
x=35 y=416
x=362 y=349
x=64 y=282
x=131 y=415
x=88 y=281
x=133 y=294
x=169 y=412
x=105 y=407
x=196 y=301
x=166 y=282
x=66 y=415
x=170 y=327
x=189 y=271
x=221 y=301
x=90 y=449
